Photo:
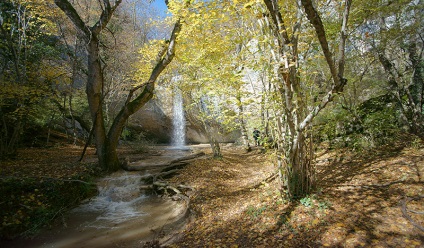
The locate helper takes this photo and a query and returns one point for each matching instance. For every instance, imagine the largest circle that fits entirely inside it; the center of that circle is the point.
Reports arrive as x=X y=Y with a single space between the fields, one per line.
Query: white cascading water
x=178 y=134
x=119 y=216
x=119 y=199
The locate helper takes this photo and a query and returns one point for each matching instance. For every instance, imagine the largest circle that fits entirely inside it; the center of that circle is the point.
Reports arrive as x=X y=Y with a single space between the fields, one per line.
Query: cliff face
x=154 y=122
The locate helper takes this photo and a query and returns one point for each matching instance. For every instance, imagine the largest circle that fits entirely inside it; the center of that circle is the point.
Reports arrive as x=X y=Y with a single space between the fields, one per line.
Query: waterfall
x=119 y=200
x=178 y=122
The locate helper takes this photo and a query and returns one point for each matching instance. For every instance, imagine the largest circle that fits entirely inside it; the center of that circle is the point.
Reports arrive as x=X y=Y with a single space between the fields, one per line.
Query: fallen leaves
x=238 y=213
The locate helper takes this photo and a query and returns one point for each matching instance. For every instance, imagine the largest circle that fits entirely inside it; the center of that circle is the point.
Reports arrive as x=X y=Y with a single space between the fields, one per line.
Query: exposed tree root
x=405 y=210
x=154 y=182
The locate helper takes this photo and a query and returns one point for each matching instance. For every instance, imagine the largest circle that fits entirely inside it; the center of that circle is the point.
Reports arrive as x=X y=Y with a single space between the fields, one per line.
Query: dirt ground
x=372 y=199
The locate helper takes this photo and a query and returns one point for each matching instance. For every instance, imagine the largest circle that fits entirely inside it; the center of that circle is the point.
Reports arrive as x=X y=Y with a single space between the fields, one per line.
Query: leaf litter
x=357 y=203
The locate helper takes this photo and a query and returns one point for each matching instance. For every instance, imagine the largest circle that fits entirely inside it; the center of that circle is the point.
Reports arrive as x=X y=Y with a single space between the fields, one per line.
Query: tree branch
x=343 y=37
x=315 y=20
x=70 y=11
x=105 y=16
x=277 y=19
x=132 y=106
x=336 y=73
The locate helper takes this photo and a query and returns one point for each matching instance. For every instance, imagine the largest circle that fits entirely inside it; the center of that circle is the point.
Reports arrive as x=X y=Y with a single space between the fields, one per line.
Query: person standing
x=256 y=134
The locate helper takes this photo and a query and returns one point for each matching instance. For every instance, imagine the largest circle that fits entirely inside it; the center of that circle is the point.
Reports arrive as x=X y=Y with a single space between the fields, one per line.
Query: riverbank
x=42 y=185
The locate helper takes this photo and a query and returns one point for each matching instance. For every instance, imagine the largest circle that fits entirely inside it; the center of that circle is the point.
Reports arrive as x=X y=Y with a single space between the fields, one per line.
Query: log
x=171 y=169
x=195 y=155
x=178 y=165
x=160 y=162
x=181 y=162
x=165 y=174
x=151 y=178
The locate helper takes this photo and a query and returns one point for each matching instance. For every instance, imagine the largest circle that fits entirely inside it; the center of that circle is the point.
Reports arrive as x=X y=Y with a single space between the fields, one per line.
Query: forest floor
x=368 y=199
x=371 y=199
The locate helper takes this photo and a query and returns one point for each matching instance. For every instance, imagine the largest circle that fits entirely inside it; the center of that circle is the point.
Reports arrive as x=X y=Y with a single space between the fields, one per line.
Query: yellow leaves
x=415 y=242
x=315 y=222
x=149 y=55
x=249 y=4
x=26 y=95
x=339 y=224
x=41 y=11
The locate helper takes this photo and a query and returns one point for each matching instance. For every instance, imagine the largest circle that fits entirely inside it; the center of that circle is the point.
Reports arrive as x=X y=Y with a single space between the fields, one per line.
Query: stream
x=119 y=216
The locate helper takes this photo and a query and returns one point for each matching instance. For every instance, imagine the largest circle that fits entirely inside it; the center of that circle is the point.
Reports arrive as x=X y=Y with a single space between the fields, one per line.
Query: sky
x=160 y=6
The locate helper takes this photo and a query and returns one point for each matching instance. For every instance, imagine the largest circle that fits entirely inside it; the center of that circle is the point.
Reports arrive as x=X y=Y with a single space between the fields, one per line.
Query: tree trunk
x=244 y=135
x=107 y=157
x=416 y=88
x=211 y=132
x=216 y=149
x=294 y=155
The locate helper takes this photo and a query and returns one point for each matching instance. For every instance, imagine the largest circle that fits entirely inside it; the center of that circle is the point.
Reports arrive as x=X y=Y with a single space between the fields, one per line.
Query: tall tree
x=138 y=96
x=294 y=116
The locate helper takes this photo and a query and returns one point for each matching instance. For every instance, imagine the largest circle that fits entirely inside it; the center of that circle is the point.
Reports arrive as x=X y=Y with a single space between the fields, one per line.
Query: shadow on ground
x=357 y=203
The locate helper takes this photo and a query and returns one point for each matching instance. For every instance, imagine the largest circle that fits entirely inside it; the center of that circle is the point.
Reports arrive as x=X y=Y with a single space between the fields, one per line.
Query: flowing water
x=119 y=216
x=178 y=121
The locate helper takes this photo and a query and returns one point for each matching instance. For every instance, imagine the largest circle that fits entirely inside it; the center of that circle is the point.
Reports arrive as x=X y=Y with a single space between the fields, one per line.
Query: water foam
x=119 y=200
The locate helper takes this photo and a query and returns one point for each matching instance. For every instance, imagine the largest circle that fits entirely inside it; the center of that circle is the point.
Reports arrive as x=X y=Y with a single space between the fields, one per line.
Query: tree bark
x=295 y=143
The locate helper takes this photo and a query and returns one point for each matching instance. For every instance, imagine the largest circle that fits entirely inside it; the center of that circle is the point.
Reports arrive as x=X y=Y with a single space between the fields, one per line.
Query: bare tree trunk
x=243 y=130
x=415 y=89
x=216 y=149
